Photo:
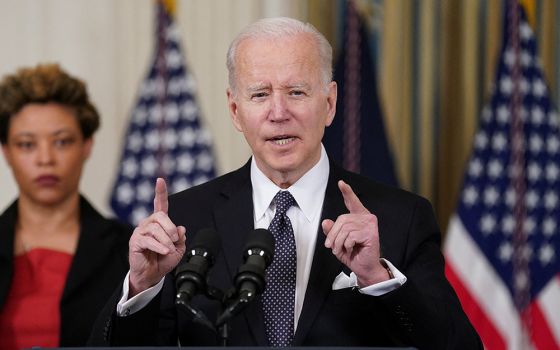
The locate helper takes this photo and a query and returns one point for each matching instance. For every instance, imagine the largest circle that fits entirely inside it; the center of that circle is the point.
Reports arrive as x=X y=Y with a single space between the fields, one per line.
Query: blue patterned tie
x=280 y=292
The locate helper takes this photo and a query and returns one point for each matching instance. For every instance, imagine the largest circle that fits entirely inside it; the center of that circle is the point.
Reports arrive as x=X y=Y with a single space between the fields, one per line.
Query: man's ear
x=331 y=102
x=233 y=110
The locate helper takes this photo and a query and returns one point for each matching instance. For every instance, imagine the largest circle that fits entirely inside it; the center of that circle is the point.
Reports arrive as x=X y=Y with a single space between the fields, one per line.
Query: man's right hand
x=156 y=245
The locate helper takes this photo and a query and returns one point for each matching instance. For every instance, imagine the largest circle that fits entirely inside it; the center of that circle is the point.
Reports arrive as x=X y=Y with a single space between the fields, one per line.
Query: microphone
x=250 y=278
x=190 y=277
x=259 y=251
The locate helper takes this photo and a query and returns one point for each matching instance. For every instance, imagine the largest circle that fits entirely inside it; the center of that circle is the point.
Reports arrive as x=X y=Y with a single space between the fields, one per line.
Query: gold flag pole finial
x=530 y=10
x=170 y=5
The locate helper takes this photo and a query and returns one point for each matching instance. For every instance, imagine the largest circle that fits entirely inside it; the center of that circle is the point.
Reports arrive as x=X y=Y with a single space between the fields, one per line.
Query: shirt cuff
x=384 y=287
x=127 y=306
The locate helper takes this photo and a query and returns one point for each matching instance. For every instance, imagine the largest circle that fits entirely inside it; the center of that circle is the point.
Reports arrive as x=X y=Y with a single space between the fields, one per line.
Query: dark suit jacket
x=424 y=312
x=99 y=265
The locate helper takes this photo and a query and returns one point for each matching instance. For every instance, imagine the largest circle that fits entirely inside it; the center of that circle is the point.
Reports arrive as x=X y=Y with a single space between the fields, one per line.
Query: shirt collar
x=304 y=190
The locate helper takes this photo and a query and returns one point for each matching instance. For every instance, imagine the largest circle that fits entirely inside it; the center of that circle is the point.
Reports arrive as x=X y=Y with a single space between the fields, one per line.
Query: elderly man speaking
x=355 y=263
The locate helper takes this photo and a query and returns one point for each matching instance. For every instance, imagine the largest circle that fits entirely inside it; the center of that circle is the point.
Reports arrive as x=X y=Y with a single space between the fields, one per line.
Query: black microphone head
x=262 y=239
x=207 y=239
x=190 y=276
x=201 y=253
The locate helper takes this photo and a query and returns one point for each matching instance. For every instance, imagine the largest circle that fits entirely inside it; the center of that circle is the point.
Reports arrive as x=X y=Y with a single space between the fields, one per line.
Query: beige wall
x=109 y=44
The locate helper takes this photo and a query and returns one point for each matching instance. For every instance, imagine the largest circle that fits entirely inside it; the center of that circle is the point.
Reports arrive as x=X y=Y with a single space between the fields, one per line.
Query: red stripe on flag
x=541 y=335
x=489 y=334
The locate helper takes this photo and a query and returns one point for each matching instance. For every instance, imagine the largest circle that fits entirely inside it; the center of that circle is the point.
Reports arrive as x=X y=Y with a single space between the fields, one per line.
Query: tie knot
x=283 y=200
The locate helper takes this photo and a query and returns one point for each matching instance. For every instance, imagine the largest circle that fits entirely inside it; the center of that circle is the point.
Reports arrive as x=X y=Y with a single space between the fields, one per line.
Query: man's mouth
x=282 y=140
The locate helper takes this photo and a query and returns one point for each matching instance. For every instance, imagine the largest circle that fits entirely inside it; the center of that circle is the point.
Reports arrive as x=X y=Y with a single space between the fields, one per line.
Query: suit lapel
x=7 y=234
x=234 y=220
x=325 y=266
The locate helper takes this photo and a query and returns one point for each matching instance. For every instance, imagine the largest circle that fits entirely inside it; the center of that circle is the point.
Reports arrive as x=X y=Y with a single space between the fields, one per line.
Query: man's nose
x=279 y=108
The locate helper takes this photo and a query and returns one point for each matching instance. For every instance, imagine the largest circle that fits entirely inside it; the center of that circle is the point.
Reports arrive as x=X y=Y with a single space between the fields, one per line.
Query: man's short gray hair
x=281 y=27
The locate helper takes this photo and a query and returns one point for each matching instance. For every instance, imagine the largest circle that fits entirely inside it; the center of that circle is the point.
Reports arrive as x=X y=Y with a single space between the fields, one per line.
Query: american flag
x=503 y=242
x=165 y=137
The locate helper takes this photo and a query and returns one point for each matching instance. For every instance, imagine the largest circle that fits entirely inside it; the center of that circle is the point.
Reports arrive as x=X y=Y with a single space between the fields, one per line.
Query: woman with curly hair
x=59 y=258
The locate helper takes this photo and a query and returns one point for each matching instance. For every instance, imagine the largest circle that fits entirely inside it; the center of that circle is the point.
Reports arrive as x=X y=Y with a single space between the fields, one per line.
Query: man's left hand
x=354 y=239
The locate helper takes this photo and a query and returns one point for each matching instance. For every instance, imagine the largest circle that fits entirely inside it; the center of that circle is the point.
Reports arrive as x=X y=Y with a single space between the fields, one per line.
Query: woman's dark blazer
x=98 y=267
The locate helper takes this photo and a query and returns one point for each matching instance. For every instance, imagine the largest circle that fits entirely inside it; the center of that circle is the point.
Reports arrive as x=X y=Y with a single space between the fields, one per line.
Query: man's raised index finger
x=351 y=201
x=160 y=198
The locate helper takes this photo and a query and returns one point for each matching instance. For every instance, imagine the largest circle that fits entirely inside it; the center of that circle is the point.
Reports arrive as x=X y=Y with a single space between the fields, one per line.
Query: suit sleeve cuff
x=384 y=287
x=127 y=306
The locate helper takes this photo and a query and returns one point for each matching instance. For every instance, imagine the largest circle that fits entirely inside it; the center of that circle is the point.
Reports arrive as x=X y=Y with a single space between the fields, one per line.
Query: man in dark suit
x=368 y=271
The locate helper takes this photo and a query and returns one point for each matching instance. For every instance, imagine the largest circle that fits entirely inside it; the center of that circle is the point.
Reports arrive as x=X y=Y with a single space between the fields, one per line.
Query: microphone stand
x=199 y=317
x=232 y=305
x=222 y=330
x=223 y=334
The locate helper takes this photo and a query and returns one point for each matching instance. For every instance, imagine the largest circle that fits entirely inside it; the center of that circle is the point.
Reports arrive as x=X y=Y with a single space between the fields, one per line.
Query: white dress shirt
x=309 y=194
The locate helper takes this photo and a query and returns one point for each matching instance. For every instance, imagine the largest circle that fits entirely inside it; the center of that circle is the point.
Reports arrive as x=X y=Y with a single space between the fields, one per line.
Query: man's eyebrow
x=299 y=85
x=287 y=86
x=257 y=87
